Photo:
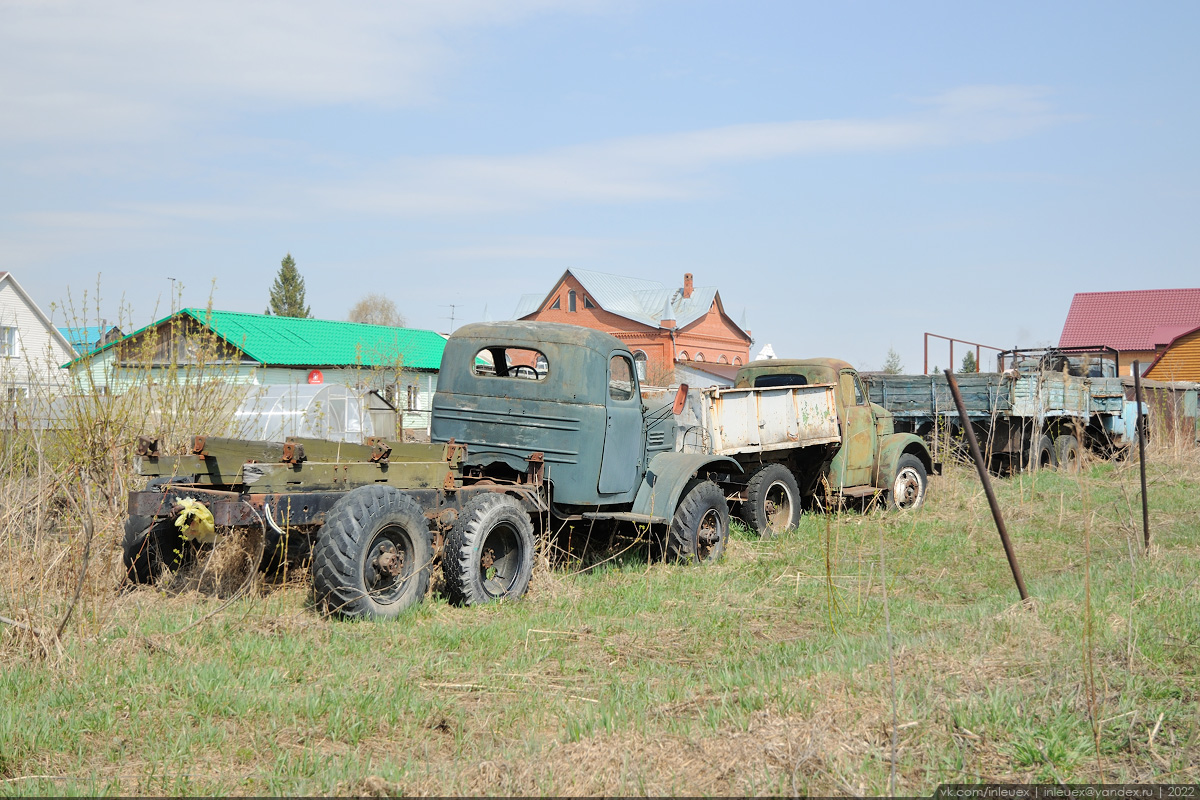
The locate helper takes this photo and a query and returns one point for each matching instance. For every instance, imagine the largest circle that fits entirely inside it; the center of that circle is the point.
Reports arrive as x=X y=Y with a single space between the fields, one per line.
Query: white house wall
x=39 y=354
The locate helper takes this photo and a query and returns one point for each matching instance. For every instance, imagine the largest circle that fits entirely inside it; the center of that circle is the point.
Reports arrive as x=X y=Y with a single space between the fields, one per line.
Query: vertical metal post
x=1141 y=434
x=926 y=353
x=987 y=487
x=978 y=355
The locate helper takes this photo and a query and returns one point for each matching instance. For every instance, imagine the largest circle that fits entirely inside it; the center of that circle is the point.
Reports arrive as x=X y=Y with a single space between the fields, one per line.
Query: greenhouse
x=322 y=411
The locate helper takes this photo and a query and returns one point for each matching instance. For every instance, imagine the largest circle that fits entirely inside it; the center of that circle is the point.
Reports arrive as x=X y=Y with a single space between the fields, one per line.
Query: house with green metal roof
x=196 y=344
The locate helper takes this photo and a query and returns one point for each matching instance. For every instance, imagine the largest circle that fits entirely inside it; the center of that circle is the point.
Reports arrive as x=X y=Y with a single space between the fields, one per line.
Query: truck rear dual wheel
x=1068 y=452
x=373 y=555
x=148 y=547
x=151 y=544
x=700 y=526
x=772 y=501
x=1041 y=455
x=488 y=555
x=909 y=484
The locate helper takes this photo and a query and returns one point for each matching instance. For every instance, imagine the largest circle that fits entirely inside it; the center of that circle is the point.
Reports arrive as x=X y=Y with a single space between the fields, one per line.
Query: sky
x=848 y=175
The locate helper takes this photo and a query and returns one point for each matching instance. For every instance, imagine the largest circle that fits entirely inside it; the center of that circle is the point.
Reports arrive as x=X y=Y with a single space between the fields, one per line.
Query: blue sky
x=849 y=175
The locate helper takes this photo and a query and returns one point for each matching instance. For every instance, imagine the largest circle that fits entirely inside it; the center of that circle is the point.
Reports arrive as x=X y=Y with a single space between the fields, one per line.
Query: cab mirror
x=680 y=399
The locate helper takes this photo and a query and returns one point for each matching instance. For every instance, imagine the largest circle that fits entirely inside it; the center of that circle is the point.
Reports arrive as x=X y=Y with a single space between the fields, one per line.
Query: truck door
x=620 y=466
x=852 y=464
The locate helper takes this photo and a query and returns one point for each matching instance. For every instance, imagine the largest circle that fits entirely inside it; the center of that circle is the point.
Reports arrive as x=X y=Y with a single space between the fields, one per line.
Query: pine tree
x=892 y=365
x=968 y=363
x=287 y=293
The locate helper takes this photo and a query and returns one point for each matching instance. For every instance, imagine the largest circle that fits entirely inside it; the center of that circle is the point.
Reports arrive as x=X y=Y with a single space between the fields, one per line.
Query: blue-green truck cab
x=562 y=405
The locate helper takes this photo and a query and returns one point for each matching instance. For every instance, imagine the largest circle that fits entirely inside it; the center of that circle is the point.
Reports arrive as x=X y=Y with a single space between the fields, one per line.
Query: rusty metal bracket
x=537 y=467
x=147 y=446
x=293 y=453
x=198 y=443
x=455 y=453
x=380 y=449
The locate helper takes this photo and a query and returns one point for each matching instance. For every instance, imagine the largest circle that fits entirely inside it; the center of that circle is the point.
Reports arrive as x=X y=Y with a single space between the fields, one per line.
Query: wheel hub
x=388 y=561
x=908 y=487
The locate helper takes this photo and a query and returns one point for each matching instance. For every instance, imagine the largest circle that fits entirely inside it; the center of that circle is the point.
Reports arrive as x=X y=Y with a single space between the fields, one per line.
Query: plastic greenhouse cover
x=324 y=411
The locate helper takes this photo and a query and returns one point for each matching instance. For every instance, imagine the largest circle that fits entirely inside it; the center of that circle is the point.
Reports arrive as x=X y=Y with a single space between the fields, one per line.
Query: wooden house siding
x=1180 y=361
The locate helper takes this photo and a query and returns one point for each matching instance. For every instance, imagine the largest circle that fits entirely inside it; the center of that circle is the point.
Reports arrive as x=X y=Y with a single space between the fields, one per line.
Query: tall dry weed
x=67 y=465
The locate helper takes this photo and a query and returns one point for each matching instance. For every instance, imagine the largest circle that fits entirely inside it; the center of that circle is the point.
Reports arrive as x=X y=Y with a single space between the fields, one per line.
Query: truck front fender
x=892 y=447
x=666 y=477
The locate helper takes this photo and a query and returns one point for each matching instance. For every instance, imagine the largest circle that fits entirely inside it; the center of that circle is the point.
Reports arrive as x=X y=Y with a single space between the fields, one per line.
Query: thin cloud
x=674 y=166
x=127 y=69
x=554 y=248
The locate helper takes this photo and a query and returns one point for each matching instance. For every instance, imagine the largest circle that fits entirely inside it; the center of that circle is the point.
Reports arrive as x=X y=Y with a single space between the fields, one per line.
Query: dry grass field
x=858 y=650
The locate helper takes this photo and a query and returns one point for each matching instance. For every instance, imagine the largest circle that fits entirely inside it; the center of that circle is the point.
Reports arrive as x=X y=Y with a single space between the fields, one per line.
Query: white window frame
x=10 y=341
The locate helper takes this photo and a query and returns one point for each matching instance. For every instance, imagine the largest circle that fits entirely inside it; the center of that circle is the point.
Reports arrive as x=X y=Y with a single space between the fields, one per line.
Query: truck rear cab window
x=771 y=381
x=511 y=362
x=620 y=378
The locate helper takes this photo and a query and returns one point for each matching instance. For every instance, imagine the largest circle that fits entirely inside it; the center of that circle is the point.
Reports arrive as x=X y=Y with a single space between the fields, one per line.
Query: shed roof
x=295 y=341
x=1132 y=320
x=86 y=338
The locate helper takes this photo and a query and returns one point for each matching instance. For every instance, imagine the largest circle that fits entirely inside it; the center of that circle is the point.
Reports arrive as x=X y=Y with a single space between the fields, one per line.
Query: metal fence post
x=987 y=487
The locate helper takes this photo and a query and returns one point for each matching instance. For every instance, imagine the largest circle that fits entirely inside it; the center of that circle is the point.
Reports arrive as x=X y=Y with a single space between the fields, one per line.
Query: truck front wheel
x=772 y=501
x=373 y=555
x=700 y=525
x=909 y=484
x=489 y=553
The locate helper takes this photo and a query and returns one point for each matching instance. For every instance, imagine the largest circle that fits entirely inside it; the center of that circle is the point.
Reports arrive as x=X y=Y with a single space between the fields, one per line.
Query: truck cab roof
x=532 y=334
x=792 y=371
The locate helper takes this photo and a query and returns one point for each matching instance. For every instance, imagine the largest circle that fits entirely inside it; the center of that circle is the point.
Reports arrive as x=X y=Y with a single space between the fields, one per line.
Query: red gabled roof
x=1136 y=320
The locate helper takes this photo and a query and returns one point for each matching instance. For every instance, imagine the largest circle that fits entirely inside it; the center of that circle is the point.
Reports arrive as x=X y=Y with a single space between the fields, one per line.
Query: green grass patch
x=764 y=674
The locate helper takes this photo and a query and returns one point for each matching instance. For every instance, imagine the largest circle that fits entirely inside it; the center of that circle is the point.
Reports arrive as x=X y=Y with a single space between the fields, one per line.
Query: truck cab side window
x=620 y=378
x=852 y=393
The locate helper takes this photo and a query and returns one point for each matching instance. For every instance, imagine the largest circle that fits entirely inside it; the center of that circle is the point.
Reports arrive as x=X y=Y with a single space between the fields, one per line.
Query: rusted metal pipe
x=1141 y=436
x=987 y=487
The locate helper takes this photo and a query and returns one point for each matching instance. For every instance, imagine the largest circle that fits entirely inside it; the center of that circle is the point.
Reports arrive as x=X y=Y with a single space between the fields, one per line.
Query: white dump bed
x=733 y=421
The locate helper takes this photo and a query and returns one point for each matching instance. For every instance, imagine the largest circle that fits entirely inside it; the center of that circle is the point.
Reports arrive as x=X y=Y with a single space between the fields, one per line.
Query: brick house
x=1139 y=325
x=660 y=325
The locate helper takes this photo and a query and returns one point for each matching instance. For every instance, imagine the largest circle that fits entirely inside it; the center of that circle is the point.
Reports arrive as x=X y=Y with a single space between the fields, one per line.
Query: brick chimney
x=687 y=284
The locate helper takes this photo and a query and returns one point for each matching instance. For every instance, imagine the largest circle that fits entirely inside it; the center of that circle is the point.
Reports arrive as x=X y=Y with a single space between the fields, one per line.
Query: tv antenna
x=451 y=306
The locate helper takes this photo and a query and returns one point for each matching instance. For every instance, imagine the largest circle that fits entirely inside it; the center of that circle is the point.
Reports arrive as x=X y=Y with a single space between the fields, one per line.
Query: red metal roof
x=1136 y=320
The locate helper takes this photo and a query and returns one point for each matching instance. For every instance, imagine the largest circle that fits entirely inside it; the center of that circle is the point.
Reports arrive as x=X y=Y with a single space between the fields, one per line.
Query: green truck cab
x=869 y=459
